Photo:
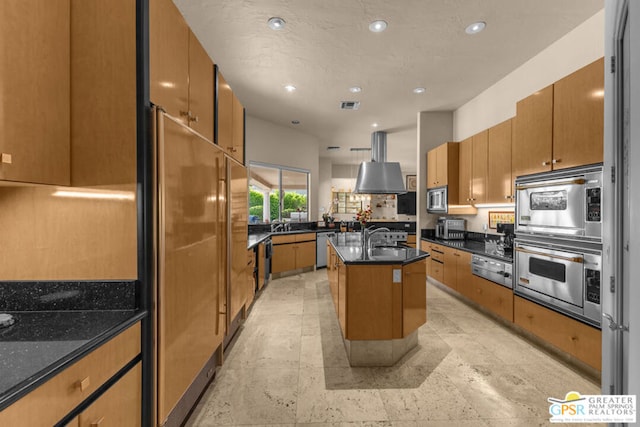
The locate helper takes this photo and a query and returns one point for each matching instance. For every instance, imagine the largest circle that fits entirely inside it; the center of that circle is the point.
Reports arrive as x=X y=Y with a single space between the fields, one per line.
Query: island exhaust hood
x=379 y=176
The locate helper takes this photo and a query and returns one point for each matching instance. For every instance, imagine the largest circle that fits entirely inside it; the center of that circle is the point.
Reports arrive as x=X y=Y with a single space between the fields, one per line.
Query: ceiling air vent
x=349 y=105
x=333 y=148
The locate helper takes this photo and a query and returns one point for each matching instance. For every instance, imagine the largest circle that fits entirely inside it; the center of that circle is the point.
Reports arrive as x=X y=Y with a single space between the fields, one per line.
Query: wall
x=269 y=143
x=324 y=186
x=497 y=103
x=434 y=128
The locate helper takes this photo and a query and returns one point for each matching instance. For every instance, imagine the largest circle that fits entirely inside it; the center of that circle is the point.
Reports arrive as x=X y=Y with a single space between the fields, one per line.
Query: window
x=267 y=183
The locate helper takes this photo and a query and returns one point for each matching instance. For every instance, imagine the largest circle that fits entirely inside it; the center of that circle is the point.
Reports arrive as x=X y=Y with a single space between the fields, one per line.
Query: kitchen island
x=379 y=297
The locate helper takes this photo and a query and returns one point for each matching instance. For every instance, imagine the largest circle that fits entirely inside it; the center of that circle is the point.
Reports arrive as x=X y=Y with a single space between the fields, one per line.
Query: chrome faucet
x=275 y=226
x=366 y=239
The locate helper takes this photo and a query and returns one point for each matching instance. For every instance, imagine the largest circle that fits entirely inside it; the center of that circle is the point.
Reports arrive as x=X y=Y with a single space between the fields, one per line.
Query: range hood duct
x=379 y=176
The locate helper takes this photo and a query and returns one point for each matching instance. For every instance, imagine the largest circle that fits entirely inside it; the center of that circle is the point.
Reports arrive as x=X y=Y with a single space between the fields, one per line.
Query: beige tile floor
x=288 y=367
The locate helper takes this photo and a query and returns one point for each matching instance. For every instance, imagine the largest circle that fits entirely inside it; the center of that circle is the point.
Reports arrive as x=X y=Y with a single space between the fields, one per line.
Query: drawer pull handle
x=5 y=158
x=83 y=384
x=97 y=423
x=574 y=339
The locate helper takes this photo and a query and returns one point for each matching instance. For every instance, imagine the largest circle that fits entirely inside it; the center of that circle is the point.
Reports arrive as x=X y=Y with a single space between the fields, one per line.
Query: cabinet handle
x=97 y=423
x=185 y=113
x=554 y=161
x=507 y=197
x=545 y=163
x=232 y=149
x=5 y=158
x=574 y=338
x=83 y=384
x=193 y=119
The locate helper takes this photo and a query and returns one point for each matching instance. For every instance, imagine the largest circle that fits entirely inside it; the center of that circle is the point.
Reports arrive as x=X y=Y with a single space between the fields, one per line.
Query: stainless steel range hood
x=379 y=176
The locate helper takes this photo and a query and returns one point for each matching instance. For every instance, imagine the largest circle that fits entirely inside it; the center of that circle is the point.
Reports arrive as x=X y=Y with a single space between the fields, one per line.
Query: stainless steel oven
x=437 y=200
x=565 y=278
x=565 y=204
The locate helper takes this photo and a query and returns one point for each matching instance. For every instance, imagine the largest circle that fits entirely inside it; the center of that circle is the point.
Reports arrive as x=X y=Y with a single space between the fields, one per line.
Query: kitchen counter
x=348 y=248
x=473 y=246
x=55 y=325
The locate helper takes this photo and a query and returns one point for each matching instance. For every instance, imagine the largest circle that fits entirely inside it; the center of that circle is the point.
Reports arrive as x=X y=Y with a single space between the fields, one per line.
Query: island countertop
x=348 y=246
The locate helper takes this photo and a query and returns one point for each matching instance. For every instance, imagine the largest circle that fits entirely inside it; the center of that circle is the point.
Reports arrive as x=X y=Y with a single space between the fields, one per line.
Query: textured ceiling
x=326 y=48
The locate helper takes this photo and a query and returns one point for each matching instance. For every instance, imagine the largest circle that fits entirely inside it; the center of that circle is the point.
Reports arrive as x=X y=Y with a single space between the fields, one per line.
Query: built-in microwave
x=437 y=200
x=565 y=204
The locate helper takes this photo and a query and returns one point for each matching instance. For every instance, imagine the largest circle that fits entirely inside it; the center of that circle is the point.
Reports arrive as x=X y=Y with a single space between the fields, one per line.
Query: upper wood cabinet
x=561 y=126
x=181 y=72
x=533 y=133
x=442 y=168
x=578 y=117
x=230 y=120
x=35 y=80
x=473 y=169
x=499 y=178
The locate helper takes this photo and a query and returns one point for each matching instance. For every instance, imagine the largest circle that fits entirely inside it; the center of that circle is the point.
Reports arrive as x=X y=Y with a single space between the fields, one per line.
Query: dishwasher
x=321 y=247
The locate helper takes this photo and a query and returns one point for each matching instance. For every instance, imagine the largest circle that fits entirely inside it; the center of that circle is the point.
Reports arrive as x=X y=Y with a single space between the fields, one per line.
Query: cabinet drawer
x=305 y=237
x=437 y=270
x=120 y=406
x=494 y=297
x=582 y=341
x=58 y=396
x=425 y=246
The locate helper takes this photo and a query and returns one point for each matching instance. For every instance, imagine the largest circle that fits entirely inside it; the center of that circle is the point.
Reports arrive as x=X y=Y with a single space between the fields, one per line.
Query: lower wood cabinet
x=582 y=341
x=251 y=276
x=293 y=251
x=494 y=297
x=411 y=240
x=436 y=268
x=56 y=398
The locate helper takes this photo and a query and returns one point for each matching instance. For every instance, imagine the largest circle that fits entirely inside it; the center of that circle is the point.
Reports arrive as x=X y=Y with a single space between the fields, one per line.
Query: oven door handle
x=578 y=259
x=577 y=181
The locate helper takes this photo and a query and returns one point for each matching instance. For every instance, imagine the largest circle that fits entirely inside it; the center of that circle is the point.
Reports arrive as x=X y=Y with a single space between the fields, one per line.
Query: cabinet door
x=578 y=117
x=437 y=270
x=200 y=89
x=479 y=167
x=238 y=219
x=283 y=258
x=305 y=254
x=465 y=166
x=432 y=165
x=238 y=129
x=494 y=297
x=414 y=296
x=224 y=114
x=169 y=58
x=464 y=275
x=261 y=272
x=533 y=133
x=332 y=273
x=499 y=180
x=342 y=297
x=450 y=262
x=119 y=406
x=35 y=76
x=442 y=170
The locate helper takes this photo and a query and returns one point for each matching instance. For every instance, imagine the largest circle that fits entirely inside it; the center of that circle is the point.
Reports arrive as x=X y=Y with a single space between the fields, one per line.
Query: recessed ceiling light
x=375 y=125
x=290 y=88
x=378 y=26
x=295 y=122
x=419 y=90
x=276 y=23
x=475 y=28
x=355 y=89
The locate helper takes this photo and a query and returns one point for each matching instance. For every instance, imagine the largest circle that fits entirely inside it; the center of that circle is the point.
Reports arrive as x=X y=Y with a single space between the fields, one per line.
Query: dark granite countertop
x=255 y=239
x=473 y=246
x=57 y=323
x=348 y=247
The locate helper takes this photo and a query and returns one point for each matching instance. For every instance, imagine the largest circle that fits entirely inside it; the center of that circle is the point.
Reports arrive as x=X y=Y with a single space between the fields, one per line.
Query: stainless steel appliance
x=268 y=250
x=450 y=228
x=321 y=248
x=437 y=200
x=497 y=271
x=566 y=278
x=565 y=204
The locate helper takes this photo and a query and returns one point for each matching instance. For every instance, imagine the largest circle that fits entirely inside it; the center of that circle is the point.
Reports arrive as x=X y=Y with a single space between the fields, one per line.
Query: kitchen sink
x=388 y=253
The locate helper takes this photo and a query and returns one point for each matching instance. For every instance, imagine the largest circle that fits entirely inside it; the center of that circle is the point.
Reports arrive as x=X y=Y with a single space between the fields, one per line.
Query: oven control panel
x=592 y=284
x=594 y=204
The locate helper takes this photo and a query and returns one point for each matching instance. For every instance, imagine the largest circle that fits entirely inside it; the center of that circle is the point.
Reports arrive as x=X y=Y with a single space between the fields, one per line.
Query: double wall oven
x=558 y=248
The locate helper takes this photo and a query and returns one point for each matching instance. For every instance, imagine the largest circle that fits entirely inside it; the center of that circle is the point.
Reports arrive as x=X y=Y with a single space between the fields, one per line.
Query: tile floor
x=288 y=368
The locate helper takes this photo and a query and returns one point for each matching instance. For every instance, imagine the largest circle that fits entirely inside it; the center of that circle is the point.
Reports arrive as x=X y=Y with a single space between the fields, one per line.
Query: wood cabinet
x=120 y=405
x=262 y=247
x=35 y=75
x=293 y=251
x=181 y=72
x=426 y=246
x=190 y=292
x=499 y=178
x=238 y=224
x=450 y=267
x=473 y=169
x=464 y=276
x=251 y=276
x=332 y=273
x=436 y=269
x=561 y=126
x=494 y=297
x=411 y=240
x=414 y=296
x=230 y=120
x=442 y=168
x=341 y=276
x=578 y=117
x=582 y=341
x=61 y=394
x=533 y=133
